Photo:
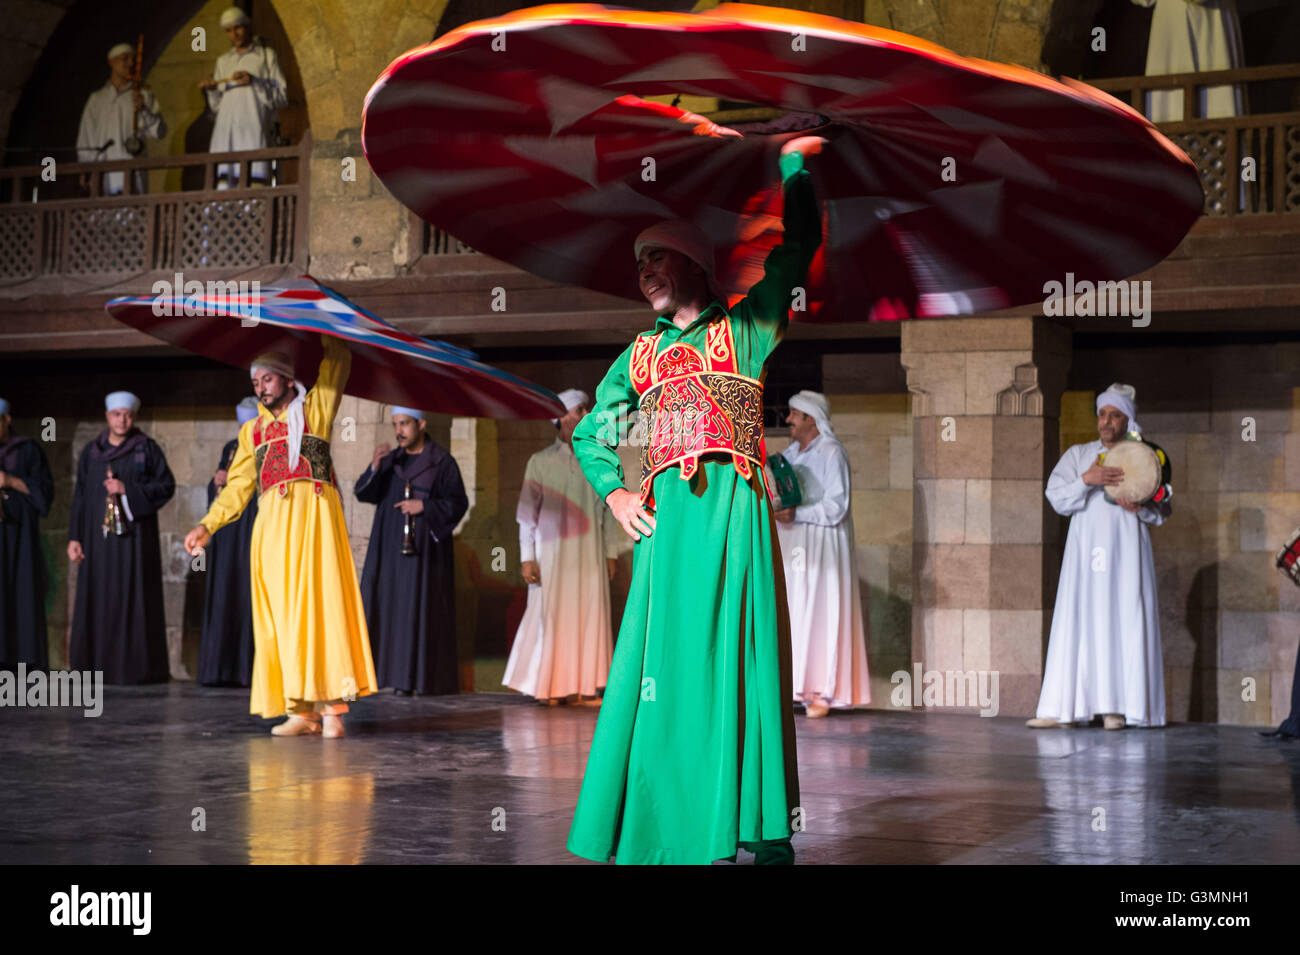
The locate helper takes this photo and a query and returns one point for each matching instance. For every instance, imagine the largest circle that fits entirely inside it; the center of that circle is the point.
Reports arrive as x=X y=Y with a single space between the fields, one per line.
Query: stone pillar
x=986 y=545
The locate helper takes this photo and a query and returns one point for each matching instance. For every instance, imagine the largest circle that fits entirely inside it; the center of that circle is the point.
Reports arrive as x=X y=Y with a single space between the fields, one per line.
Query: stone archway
x=49 y=98
x=66 y=56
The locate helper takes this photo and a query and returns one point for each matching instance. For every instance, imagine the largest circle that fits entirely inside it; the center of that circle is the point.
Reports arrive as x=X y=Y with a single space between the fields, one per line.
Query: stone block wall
x=872 y=417
x=986 y=553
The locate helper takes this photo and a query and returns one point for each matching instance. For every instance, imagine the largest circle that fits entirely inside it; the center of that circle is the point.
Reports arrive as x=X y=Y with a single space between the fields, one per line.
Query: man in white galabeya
x=246 y=91
x=821 y=579
x=1104 y=657
x=568 y=545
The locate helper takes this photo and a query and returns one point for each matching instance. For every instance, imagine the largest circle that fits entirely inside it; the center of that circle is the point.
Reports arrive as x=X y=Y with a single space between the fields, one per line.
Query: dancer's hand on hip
x=627 y=510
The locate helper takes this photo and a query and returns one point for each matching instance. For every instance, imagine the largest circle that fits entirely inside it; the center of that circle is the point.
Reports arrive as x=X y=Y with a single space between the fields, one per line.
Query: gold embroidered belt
x=314 y=464
x=706 y=412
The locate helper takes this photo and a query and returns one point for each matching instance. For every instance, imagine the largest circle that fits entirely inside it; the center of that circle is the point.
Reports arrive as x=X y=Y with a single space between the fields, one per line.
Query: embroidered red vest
x=271 y=451
x=693 y=404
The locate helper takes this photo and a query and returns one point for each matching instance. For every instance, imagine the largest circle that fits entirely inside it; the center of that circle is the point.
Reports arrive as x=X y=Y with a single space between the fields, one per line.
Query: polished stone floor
x=494 y=778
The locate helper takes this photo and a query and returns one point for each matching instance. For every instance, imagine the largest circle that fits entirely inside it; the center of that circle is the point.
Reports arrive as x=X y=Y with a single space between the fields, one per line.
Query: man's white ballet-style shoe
x=815 y=710
x=333 y=727
x=1044 y=723
x=1112 y=721
x=296 y=726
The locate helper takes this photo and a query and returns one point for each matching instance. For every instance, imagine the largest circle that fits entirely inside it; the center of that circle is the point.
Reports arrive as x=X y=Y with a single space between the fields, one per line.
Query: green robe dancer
x=694 y=750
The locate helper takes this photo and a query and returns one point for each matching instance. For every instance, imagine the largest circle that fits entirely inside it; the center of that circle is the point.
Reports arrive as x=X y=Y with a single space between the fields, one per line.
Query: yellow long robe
x=309 y=626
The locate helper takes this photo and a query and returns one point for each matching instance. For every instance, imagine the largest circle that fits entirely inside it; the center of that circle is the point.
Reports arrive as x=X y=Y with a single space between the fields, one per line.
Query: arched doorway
x=72 y=66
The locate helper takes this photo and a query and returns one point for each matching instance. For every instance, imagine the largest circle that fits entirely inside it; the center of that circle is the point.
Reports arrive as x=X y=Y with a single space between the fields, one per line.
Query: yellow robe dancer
x=312 y=650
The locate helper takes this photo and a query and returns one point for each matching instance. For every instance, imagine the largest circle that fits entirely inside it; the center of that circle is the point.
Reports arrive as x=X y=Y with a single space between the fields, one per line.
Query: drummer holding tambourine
x=1104 y=657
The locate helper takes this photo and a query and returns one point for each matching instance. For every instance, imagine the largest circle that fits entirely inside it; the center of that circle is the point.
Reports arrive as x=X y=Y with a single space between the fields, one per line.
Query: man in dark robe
x=118 y=624
x=26 y=491
x=410 y=598
x=226 y=648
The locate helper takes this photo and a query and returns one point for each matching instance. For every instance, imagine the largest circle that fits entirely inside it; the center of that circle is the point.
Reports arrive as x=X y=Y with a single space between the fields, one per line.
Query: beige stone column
x=986 y=545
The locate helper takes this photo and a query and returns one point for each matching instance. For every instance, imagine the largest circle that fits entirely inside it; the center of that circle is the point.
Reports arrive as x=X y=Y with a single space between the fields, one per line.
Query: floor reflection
x=305 y=804
x=424 y=779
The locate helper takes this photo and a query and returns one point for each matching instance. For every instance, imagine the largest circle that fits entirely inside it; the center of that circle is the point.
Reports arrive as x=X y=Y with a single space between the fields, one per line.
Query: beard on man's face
x=274 y=393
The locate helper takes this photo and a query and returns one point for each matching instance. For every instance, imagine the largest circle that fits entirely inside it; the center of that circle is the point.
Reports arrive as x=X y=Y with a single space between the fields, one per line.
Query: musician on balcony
x=1193 y=36
x=114 y=115
x=246 y=90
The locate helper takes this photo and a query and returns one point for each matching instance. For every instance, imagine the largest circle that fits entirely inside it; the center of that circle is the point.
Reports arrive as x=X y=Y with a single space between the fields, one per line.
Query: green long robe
x=694 y=750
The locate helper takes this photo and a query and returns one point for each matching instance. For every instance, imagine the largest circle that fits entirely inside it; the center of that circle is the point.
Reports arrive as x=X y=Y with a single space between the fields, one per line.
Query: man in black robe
x=118 y=624
x=26 y=491
x=410 y=598
x=226 y=647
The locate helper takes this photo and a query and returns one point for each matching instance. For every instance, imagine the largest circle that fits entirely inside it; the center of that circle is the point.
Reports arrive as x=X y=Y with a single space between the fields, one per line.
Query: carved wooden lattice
x=437 y=242
x=1291 y=184
x=223 y=233
x=283 y=219
x=1207 y=148
x=17 y=246
x=107 y=240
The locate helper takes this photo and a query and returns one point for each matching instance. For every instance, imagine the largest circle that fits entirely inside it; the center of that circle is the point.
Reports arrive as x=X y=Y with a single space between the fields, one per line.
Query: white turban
x=815 y=405
x=409 y=412
x=571 y=398
x=1124 y=398
x=118 y=50
x=686 y=238
x=233 y=16
x=246 y=410
x=122 y=399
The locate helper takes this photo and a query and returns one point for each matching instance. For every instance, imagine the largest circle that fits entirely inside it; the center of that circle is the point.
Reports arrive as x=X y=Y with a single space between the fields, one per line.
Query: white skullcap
x=122 y=399
x=571 y=398
x=232 y=16
x=1123 y=398
x=246 y=410
x=815 y=405
x=686 y=238
x=118 y=50
x=409 y=412
x=276 y=361
x=4 y=406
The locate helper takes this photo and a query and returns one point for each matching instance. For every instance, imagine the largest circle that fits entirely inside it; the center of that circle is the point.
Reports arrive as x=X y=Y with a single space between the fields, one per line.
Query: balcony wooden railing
x=195 y=229
x=1218 y=145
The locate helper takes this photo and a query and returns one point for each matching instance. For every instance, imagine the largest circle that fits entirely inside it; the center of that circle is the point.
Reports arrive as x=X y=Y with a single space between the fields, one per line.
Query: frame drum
x=782 y=483
x=1146 y=471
